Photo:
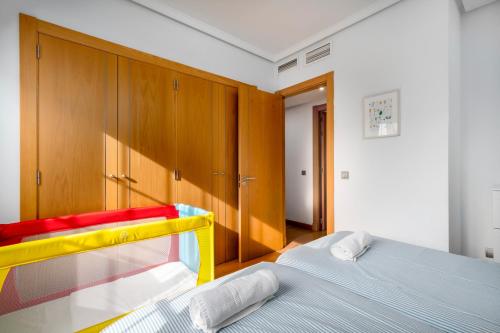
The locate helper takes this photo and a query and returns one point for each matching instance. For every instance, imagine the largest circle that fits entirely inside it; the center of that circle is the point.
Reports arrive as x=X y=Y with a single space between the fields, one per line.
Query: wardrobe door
x=194 y=141
x=261 y=165
x=77 y=128
x=231 y=172
x=218 y=170
x=225 y=171
x=146 y=150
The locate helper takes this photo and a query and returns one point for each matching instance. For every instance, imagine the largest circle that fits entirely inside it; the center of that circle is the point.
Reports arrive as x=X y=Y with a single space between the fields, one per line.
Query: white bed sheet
x=450 y=292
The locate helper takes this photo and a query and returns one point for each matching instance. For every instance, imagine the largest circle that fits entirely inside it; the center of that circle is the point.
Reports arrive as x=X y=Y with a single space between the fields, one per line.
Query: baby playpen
x=80 y=273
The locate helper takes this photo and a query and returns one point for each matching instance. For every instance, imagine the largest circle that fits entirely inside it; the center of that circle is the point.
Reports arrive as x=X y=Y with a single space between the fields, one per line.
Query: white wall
x=399 y=186
x=118 y=21
x=298 y=157
x=480 y=127
x=455 y=128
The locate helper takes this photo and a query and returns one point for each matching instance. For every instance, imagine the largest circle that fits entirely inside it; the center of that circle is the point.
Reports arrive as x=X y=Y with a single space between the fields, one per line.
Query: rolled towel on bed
x=352 y=246
x=221 y=306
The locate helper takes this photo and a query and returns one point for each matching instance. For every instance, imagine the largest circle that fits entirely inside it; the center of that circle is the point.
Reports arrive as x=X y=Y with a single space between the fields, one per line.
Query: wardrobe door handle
x=124 y=176
x=246 y=179
x=114 y=177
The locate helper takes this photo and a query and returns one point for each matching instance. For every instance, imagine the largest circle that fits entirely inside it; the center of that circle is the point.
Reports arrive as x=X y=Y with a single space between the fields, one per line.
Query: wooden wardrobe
x=172 y=145
x=106 y=127
x=115 y=133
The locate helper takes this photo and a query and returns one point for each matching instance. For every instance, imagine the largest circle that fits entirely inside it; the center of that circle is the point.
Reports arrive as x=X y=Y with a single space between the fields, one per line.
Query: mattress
x=303 y=303
x=452 y=293
x=93 y=305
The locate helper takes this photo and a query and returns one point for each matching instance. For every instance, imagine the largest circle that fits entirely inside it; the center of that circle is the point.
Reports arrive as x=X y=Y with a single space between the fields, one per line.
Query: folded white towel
x=221 y=306
x=352 y=246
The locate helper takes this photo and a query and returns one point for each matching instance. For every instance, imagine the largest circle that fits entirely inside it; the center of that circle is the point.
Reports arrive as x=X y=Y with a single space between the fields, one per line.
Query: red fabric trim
x=15 y=232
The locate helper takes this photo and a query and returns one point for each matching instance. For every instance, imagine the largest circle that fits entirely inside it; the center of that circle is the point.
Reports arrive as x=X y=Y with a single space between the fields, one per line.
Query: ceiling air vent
x=318 y=53
x=287 y=65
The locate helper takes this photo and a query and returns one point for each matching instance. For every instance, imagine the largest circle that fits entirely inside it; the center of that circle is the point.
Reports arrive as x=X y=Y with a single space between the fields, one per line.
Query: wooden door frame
x=327 y=81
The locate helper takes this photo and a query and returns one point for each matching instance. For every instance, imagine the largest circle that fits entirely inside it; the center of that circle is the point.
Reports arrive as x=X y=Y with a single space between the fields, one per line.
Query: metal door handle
x=130 y=179
x=111 y=176
x=246 y=179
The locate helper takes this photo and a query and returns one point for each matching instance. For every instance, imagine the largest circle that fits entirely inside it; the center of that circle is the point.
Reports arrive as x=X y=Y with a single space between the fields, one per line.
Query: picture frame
x=381 y=115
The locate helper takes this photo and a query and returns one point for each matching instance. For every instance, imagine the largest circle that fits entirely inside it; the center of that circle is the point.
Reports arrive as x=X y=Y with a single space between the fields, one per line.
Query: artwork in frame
x=381 y=115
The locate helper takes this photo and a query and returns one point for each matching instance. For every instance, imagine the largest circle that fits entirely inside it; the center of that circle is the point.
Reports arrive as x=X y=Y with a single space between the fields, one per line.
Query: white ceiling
x=315 y=95
x=272 y=29
x=271 y=25
x=473 y=4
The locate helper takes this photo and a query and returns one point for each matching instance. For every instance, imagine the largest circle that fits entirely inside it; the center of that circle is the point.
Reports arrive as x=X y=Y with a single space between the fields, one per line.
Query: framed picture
x=381 y=115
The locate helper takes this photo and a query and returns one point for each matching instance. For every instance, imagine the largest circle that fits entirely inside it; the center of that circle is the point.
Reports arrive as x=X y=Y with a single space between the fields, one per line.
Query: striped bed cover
x=302 y=304
x=452 y=293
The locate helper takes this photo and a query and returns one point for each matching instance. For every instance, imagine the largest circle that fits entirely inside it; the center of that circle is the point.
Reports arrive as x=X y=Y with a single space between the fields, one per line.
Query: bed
x=303 y=303
x=449 y=292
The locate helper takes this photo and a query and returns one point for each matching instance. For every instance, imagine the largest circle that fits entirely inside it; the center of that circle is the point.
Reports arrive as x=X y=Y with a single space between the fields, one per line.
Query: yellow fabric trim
x=99 y=327
x=3 y=275
x=207 y=257
x=43 y=249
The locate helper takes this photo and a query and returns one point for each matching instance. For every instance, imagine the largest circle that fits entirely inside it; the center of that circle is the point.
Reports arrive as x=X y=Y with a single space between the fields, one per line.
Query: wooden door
x=194 y=141
x=231 y=173
x=261 y=168
x=146 y=150
x=218 y=171
x=77 y=128
x=319 y=167
x=224 y=171
x=322 y=162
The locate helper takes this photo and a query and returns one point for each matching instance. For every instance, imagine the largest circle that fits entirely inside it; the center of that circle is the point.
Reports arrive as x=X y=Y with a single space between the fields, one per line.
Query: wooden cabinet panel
x=146 y=151
x=231 y=172
x=224 y=171
x=76 y=122
x=261 y=160
x=218 y=171
x=194 y=141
